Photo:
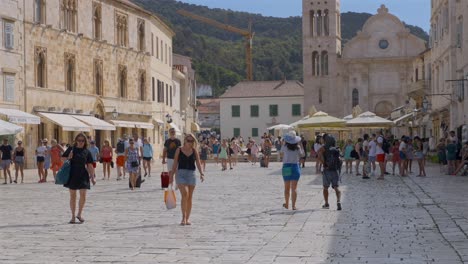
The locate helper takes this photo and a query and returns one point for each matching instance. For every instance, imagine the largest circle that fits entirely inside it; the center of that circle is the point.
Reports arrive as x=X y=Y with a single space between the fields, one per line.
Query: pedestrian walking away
x=81 y=173
x=330 y=157
x=147 y=157
x=186 y=158
x=120 y=162
x=6 y=151
x=19 y=157
x=94 y=150
x=348 y=157
x=292 y=153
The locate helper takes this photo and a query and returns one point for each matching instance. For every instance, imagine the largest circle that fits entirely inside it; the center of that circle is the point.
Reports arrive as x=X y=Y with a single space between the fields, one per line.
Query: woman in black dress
x=80 y=171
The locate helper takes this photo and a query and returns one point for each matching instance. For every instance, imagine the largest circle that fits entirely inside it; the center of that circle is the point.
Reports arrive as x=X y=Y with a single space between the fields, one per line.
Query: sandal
x=294 y=208
x=72 y=222
x=80 y=219
x=285 y=206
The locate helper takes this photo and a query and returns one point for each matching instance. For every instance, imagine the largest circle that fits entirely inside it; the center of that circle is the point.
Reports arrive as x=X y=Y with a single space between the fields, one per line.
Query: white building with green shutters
x=250 y=107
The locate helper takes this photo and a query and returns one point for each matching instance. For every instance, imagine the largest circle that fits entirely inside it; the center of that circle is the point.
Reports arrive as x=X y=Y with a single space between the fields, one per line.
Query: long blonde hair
x=195 y=141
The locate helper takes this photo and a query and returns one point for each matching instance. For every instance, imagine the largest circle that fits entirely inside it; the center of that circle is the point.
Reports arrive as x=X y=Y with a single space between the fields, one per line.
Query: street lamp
x=115 y=114
x=168 y=118
x=426 y=105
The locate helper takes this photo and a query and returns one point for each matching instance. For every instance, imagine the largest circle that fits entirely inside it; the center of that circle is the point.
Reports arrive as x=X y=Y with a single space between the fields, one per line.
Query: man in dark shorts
x=170 y=147
x=330 y=176
x=5 y=151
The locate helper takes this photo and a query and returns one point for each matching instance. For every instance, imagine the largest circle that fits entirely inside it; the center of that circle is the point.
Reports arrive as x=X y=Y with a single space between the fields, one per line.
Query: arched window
x=324 y=63
x=142 y=85
x=68 y=14
x=41 y=67
x=315 y=63
x=355 y=97
x=98 y=77
x=97 y=22
x=320 y=95
x=141 y=35
x=319 y=23
x=312 y=22
x=326 y=23
x=122 y=81
x=69 y=72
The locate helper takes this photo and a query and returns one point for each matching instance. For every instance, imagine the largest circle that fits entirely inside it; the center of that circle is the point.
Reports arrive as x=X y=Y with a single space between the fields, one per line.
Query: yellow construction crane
x=247 y=34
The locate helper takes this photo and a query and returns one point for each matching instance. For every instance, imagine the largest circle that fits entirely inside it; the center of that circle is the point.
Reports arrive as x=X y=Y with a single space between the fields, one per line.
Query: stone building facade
x=372 y=70
x=449 y=57
x=103 y=67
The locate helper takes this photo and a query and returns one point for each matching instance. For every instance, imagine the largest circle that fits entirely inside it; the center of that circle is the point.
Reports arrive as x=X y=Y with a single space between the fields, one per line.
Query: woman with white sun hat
x=292 y=153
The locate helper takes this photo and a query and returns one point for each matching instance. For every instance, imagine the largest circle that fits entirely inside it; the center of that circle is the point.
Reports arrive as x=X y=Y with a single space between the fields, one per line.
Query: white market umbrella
x=7 y=128
x=369 y=119
x=297 y=122
x=321 y=119
x=280 y=127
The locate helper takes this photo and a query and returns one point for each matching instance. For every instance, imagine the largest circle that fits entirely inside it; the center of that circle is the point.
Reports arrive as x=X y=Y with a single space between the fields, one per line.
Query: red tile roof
x=247 y=89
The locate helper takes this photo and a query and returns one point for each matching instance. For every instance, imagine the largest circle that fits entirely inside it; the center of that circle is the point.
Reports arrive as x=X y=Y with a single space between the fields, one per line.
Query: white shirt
x=402 y=146
x=365 y=145
x=380 y=150
x=41 y=151
x=317 y=147
x=372 y=148
x=291 y=156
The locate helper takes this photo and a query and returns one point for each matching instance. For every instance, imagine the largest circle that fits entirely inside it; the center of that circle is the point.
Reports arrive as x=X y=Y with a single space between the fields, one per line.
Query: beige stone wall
x=86 y=49
x=11 y=60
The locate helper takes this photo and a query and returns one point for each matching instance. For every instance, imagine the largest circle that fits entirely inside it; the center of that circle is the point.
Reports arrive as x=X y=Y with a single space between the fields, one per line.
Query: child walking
x=223 y=154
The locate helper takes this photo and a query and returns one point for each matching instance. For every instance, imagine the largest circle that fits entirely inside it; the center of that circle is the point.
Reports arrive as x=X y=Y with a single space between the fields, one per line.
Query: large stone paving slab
x=237 y=218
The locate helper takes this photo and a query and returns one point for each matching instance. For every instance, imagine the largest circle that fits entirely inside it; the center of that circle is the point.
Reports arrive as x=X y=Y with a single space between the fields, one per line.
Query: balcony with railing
x=419 y=88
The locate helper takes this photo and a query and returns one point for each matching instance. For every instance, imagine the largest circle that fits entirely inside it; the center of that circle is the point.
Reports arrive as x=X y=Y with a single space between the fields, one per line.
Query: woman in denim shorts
x=186 y=157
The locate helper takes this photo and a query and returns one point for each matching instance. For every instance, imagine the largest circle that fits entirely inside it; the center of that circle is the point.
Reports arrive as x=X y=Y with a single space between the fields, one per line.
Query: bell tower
x=321 y=32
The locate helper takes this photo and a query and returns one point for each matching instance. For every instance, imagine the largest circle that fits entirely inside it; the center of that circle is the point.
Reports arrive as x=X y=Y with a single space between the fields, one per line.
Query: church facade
x=372 y=70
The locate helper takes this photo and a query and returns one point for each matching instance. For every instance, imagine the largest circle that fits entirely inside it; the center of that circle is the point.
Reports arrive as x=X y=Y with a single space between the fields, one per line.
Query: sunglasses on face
x=80 y=141
x=190 y=140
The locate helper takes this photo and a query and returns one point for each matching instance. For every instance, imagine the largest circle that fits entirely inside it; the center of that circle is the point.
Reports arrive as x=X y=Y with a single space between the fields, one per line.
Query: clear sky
x=413 y=12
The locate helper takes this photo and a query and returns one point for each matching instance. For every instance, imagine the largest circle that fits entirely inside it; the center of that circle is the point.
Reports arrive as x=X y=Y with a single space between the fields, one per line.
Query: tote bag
x=63 y=175
x=170 y=198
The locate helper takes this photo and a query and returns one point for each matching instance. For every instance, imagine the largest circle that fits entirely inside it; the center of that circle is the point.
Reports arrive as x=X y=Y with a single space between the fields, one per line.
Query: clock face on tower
x=383 y=44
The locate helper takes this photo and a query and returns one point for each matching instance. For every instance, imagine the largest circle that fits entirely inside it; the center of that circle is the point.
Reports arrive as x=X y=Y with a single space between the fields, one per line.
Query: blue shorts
x=330 y=177
x=291 y=172
x=186 y=177
x=372 y=158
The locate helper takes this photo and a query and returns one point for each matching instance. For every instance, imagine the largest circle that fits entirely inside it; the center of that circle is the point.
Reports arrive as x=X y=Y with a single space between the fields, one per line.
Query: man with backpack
x=383 y=147
x=329 y=155
x=120 y=162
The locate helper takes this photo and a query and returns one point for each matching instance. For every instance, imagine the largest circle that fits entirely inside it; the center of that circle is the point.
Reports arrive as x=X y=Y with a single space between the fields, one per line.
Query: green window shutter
x=235 y=110
x=273 y=110
x=254 y=111
x=236 y=132
x=254 y=132
x=296 y=110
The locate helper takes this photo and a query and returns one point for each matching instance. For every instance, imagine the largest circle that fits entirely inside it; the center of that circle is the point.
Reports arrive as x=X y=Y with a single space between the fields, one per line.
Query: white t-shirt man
x=402 y=146
x=365 y=145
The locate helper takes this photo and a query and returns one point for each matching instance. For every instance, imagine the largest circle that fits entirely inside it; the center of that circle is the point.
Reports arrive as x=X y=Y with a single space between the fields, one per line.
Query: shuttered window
x=9 y=29
x=254 y=111
x=9 y=91
x=235 y=110
x=273 y=110
x=296 y=109
x=254 y=132
x=236 y=132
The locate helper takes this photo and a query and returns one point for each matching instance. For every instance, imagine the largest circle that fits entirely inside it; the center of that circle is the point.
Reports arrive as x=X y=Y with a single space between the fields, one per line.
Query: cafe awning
x=7 y=128
x=95 y=123
x=159 y=121
x=132 y=124
x=20 y=117
x=67 y=122
x=402 y=118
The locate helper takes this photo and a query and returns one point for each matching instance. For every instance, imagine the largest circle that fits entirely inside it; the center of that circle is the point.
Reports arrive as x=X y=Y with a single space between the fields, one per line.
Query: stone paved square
x=238 y=218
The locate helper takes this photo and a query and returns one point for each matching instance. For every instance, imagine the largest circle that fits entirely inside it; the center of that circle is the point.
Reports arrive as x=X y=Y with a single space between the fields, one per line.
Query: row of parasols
x=323 y=120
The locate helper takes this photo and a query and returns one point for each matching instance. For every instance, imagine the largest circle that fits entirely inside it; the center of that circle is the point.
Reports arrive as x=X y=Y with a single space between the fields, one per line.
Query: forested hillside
x=218 y=56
